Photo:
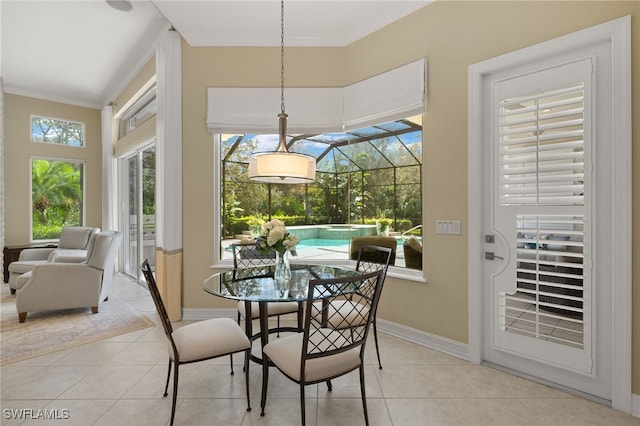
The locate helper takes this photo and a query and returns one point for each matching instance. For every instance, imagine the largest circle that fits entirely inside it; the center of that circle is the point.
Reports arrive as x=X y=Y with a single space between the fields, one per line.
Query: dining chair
x=246 y=255
x=198 y=341
x=370 y=258
x=322 y=352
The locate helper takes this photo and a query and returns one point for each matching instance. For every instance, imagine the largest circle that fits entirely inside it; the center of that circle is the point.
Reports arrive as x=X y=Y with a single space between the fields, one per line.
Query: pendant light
x=282 y=166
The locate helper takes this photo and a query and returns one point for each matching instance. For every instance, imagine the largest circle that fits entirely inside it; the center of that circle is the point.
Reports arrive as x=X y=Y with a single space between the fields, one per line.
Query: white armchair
x=72 y=248
x=54 y=285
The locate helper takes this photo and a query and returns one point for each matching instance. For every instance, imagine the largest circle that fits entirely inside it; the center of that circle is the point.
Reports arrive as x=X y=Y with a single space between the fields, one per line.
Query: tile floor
x=119 y=382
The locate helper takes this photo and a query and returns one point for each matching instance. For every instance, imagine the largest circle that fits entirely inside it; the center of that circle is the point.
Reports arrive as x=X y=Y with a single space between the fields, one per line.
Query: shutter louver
x=549 y=302
x=542 y=148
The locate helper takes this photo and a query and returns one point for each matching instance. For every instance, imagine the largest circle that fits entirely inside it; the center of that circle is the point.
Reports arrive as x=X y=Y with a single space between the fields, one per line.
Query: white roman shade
x=255 y=110
x=395 y=94
x=390 y=96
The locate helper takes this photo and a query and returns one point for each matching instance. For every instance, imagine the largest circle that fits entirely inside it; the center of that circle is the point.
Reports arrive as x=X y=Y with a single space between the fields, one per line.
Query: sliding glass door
x=137 y=198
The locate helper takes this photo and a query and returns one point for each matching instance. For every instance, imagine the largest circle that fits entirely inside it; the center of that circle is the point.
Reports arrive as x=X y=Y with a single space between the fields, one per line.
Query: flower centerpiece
x=274 y=237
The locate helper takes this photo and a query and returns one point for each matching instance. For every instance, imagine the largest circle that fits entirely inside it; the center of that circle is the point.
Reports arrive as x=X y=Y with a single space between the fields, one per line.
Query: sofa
x=72 y=248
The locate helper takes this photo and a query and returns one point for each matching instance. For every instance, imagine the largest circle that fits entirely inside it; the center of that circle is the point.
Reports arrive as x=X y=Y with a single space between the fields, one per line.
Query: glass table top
x=257 y=284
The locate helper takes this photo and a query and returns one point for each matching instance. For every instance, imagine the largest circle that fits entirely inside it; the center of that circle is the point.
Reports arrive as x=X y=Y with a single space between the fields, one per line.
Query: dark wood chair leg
x=22 y=316
x=94 y=309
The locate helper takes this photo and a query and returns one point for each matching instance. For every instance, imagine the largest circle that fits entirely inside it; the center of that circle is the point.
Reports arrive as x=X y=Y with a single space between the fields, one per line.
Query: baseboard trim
x=423 y=338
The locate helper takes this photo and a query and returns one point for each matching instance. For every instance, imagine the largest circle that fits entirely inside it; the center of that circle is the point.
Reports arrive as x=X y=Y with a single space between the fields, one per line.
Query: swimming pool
x=322 y=242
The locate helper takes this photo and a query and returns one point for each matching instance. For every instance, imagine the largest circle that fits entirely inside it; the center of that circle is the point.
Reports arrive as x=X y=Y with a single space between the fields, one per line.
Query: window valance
x=389 y=96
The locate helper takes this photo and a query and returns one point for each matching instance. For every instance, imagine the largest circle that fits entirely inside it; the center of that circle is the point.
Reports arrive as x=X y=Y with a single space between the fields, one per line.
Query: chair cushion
x=22 y=266
x=209 y=339
x=414 y=244
x=350 y=313
x=275 y=308
x=68 y=256
x=286 y=354
x=75 y=237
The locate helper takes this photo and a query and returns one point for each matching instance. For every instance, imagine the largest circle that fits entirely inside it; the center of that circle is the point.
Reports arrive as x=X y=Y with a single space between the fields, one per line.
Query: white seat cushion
x=208 y=339
x=274 y=308
x=23 y=266
x=350 y=313
x=286 y=353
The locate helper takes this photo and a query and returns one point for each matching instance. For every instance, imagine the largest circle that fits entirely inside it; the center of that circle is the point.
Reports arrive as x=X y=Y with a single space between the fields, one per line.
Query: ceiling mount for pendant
x=282 y=166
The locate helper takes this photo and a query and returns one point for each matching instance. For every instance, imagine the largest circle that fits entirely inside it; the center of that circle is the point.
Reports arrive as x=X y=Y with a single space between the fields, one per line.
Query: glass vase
x=282 y=273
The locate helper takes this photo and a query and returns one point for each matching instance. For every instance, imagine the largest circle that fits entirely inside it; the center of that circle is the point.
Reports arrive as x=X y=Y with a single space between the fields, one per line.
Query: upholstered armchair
x=380 y=241
x=55 y=285
x=412 y=253
x=72 y=248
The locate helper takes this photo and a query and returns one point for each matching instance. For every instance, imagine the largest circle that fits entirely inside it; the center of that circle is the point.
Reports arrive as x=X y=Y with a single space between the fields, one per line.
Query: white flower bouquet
x=274 y=236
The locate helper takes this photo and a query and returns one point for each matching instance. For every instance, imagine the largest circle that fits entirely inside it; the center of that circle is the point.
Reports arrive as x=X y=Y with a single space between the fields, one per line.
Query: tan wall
x=19 y=149
x=451 y=35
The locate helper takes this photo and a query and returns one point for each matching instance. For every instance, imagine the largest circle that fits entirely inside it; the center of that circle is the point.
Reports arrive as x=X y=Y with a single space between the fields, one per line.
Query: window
x=57 y=196
x=54 y=131
x=362 y=175
x=142 y=110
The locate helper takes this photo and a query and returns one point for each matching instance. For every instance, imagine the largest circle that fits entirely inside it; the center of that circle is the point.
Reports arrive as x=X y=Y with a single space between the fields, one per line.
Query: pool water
x=322 y=242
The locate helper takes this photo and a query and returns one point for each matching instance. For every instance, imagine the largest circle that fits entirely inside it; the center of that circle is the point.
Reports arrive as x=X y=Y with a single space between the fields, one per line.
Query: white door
x=547 y=206
x=540 y=287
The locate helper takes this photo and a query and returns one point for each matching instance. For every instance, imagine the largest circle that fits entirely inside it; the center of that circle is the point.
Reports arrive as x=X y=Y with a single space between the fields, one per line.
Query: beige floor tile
x=410 y=381
x=341 y=412
x=424 y=412
x=282 y=412
x=15 y=412
x=106 y=382
x=45 y=383
x=497 y=412
x=72 y=412
x=139 y=412
x=577 y=412
x=223 y=412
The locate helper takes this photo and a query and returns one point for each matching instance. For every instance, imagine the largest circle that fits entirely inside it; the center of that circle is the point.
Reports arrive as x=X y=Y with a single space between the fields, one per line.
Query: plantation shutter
x=541 y=175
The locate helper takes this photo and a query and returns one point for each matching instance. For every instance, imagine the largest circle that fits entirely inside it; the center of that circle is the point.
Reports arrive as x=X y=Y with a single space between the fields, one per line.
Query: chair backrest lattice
x=157 y=300
x=357 y=297
x=372 y=258
x=247 y=255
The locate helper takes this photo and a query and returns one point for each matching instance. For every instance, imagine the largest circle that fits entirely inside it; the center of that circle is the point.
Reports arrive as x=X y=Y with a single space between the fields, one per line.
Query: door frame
x=618 y=34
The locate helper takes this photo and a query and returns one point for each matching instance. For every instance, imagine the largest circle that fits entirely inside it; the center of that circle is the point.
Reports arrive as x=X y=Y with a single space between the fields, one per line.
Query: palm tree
x=56 y=189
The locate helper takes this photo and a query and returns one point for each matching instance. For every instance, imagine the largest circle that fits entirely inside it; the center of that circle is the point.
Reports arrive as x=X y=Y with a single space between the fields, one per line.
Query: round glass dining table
x=257 y=284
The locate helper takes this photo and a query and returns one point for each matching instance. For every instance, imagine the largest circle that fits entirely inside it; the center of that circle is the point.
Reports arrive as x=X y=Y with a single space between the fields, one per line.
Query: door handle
x=489 y=255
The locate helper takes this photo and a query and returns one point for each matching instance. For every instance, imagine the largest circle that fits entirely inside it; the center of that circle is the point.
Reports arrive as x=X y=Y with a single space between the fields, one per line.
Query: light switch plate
x=448 y=227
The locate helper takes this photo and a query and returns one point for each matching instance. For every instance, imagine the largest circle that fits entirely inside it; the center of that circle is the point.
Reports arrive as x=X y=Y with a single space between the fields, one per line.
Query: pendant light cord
x=282 y=55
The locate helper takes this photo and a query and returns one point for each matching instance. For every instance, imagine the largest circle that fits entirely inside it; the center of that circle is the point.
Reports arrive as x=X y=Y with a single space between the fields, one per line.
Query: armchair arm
x=36 y=253
x=60 y=286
